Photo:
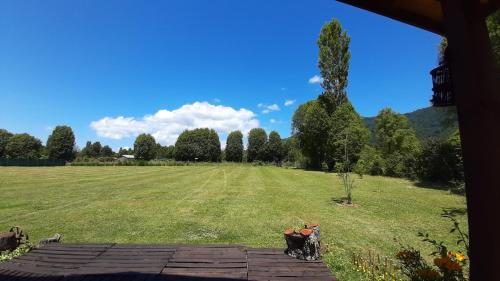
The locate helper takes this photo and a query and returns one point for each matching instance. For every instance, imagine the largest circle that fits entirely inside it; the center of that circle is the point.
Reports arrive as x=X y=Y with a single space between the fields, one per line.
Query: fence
x=31 y=162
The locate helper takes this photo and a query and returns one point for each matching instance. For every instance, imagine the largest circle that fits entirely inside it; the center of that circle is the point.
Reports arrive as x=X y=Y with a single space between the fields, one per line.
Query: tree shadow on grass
x=338 y=200
x=453 y=212
x=452 y=188
x=342 y=202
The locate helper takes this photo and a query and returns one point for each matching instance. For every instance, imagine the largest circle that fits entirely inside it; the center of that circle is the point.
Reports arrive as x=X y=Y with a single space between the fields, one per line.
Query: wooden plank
x=285 y=264
x=289 y=271
x=206 y=265
x=68 y=251
x=145 y=254
x=55 y=256
x=219 y=260
x=261 y=278
x=77 y=245
x=144 y=246
x=124 y=264
x=80 y=262
x=27 y=268
x=69 y=259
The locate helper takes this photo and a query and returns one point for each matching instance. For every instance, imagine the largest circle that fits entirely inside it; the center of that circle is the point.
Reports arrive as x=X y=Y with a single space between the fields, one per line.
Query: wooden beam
x=423 y=14
x=478 y=104
x=389 y=8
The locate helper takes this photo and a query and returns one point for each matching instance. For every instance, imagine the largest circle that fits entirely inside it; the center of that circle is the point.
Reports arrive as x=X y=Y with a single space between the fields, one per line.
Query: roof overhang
x=426 y=14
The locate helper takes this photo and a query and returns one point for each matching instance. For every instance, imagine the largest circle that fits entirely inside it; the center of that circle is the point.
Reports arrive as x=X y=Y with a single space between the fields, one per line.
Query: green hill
x=437 y=122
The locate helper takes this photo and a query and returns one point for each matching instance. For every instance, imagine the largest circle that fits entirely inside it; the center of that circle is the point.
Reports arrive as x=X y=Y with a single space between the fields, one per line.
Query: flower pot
x=303 y=244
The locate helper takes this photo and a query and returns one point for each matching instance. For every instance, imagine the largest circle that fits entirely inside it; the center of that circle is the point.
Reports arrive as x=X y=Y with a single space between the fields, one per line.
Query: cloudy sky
x=115 y=69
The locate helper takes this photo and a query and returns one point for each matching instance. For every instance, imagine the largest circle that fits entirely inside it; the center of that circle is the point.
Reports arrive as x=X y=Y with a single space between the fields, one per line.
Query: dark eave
x=425 y=14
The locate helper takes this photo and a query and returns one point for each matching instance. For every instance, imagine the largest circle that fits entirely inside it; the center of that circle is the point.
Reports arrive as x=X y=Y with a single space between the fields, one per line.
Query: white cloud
x=289 y=102
x=315 y=80
x=272 y=121
x=268 y=108
x=166 y=125
x=273 y=107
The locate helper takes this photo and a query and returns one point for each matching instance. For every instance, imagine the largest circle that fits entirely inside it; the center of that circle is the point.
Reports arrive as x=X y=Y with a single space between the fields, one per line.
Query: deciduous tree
x=345 y=121
x=61 y=144
x=123 y=151
x=23 y=146
x=275 y=147
x=234 y=147
x=257 y=141
x=397 y=143
x=96 y=149
x=4 y=138
x=165 y=152
x=493 y=24
x=145 y=147
x=106 y=151
x=200 y=144
x=310 y=125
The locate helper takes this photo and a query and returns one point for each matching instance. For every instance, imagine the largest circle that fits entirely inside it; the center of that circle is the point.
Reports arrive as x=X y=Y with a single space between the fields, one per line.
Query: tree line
x=202 y=144
x=60 y=145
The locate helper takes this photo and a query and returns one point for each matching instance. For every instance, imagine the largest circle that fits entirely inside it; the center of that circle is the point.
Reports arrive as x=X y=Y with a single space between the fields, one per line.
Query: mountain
x=438 y=122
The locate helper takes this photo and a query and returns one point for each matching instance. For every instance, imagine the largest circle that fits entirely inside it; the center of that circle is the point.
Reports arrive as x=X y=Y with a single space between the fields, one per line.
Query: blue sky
x=113 y=69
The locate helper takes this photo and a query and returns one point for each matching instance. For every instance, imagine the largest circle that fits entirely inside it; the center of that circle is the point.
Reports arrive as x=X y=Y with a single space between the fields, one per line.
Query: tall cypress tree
x=333 y=64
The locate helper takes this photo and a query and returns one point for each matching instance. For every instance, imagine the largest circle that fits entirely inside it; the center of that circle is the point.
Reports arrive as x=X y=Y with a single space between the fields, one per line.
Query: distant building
x=126 y=157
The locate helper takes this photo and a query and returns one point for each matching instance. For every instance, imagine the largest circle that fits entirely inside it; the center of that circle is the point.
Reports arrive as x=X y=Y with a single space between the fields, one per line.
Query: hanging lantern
x=441 y=84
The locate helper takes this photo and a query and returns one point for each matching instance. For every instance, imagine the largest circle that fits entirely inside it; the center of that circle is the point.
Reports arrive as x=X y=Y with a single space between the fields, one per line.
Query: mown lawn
x=240 y=204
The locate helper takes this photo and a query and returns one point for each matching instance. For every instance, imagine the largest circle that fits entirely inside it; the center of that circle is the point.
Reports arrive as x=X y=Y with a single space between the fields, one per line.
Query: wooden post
x=477 y=93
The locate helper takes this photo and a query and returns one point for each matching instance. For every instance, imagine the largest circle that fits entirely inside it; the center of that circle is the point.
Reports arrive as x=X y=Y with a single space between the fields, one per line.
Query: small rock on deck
x=123 y=262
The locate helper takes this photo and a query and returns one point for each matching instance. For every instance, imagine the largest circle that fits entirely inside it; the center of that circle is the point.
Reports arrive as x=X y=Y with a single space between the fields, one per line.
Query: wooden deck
x=123 y=262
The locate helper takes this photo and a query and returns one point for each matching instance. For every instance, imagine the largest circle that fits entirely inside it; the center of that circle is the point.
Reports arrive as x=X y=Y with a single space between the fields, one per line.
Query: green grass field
x=239 y=204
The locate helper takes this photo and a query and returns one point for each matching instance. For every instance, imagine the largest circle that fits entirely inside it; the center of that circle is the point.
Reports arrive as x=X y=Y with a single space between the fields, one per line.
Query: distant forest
x=436 y=122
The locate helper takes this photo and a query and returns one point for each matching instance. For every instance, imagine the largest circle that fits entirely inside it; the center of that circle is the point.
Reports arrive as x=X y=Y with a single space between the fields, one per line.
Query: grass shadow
x=450 y=187
x=453 y=212
x=338 y=200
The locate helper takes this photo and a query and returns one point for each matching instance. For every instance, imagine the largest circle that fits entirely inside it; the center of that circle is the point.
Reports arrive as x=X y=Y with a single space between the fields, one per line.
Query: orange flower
x=457 y=255
x=447 y=263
